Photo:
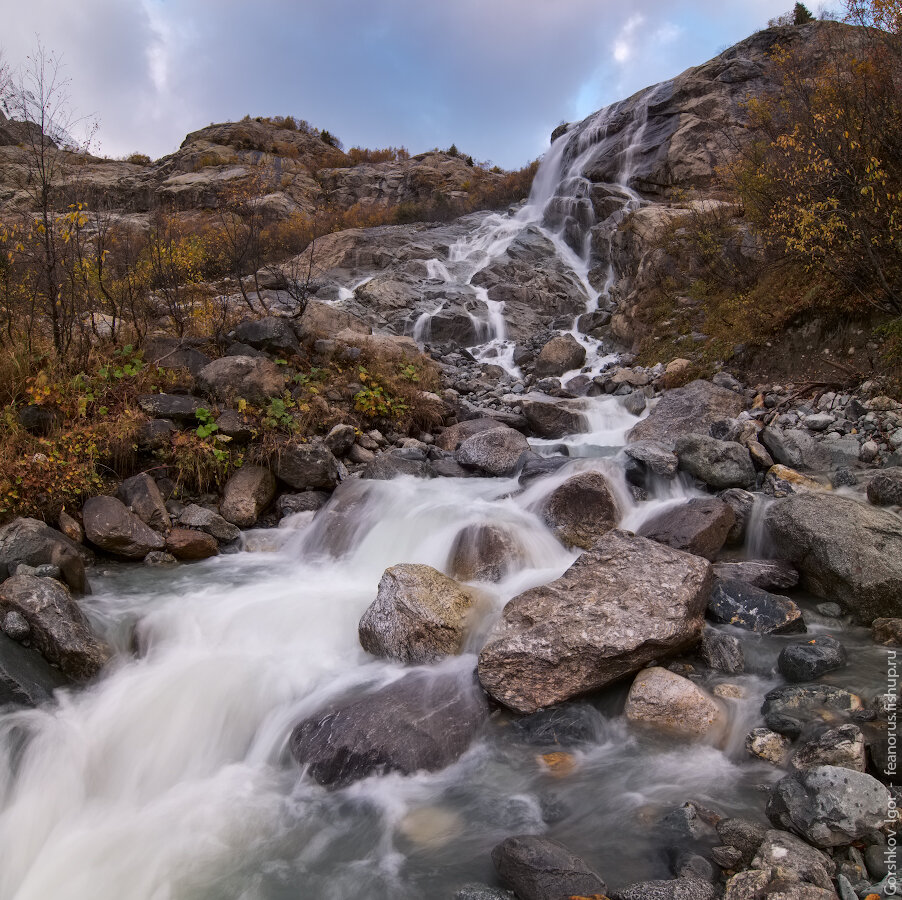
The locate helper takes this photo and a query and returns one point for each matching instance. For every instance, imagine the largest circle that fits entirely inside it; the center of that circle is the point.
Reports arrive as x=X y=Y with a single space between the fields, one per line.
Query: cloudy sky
x=492 y=76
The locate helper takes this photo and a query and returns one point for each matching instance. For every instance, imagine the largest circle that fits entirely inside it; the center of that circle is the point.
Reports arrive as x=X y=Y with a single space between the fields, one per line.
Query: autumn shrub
x=138 y=159
x=361 y=155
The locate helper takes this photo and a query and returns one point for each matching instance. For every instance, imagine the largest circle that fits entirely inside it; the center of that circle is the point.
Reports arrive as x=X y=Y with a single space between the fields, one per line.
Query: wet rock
x=453 y=436
x=496 y=452
x=160 y=559
x=768 y=745
x=739 y=603
x=635 y=403
x=622 y=604
x=483 y=892
x=392 y=464
x=71 y=527
x=885 y=488
x=40 y=420
x=26 y=678
x=655 y=458
x=846 y=551
x=746 y=837
x=202 y=519
x=791 y=709
x=536 y=466
x=180 y=408
x=422 y=721
x=561 y=354
x=271 y=334
x=113 y=527
x=581 y=510
x=668 y=702
x=843 y=747
x=742 y=503
x=57 y=628
x=755 y=884
x=676 y=889
x=828 y=806
x=887 y=632
x=767 y=574
x=307 y=467
x=719 y=464
x=309 y=501
x=186 y=543
x=253 y=379
x=808 y=661
x=419 y=615
x=787 y=858
x=721 y=652
x=566 y=725
x=246 y=494
x=795 y=448
x=34 y=543
x=699 y=526
x=692 y=409
x=781 y=481
x=484 y=553
x=142 y=496
x=340 y=440
x=551 y=420
x=538 y=868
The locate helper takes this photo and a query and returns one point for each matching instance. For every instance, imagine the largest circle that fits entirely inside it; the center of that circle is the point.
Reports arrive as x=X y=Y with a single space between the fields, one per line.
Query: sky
x=493 y=77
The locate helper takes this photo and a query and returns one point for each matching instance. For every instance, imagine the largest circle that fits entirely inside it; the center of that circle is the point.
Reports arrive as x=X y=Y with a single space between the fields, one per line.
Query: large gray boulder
x=26 y=678
x=113 y=527
x=561 y=354
x=246 y=494
x=885 y=488
x=142 y=496
x=699 y=526
x=671 y=703
x=177 y=407
x=719 y=464
x=796 y=448
x=622 y=604
x=552 y=420
x=692 y=409
x=34 y=543
x=829 y=806
x=419 y=615
x=484 y=553
x=581 y=510
x=54 y=625
x=423 y=721
x=767 y=574
x=494 y=452
x=846 y=551
x=270 y=333
x=538 y=868
x=255 y=379
x=308 y=467
x=453 y=436
x=741 y=604
x=209 y=522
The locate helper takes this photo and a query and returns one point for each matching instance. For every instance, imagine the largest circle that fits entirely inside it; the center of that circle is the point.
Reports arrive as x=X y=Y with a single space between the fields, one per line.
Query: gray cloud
x=492 y=76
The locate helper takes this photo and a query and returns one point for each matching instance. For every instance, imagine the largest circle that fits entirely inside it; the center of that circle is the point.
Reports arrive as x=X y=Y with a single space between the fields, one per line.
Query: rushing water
x=170 y=779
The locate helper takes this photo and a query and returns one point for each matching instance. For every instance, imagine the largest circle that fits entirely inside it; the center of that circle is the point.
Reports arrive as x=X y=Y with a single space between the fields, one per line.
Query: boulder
x=690 y=888
x=186 y=543
x=325 y=320
x=805 y=662
x=563 y=726
x=180 y=408
x=771 y=746
x=887 y=632
x=786 y=857
x=791 y=709
x=309 y=501
x=54 y=625
x=419 y=615
x=581 y=510
x=691 y=409
x=171 y=353
x=203 y=519
x=885 y=488
x=113 y=527
x=392 y=464
x=846 y=551
x=742 y=503
x=26 y=678
x=719 y=464
x=721 y=652
x=535 y=466
x=238 y=426
x=795 y=448
x=496 y=452
x=255 y=379
x=452 y=437
x=40 y=420
x=741 y=835
x=781 y=481
x=767 y=574
x=538 y=868
x=340 y=439
x=655 y=457
x=622 y=604
x=671 y=703
x=843 y=747
x=246 y=494
x=484 y=553
x=34 y=543
x=561 y=354
x=422 y=721
x=828 y=806
x=699 y=526
x=270 y=333
x=739 y=603
x=142 y=496
x=156 y=434
x=71 y=527
x=308 y=467
x=551 y=420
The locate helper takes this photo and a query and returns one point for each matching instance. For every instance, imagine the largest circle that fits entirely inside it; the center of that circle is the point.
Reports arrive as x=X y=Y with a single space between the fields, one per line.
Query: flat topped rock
x=622 y=604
